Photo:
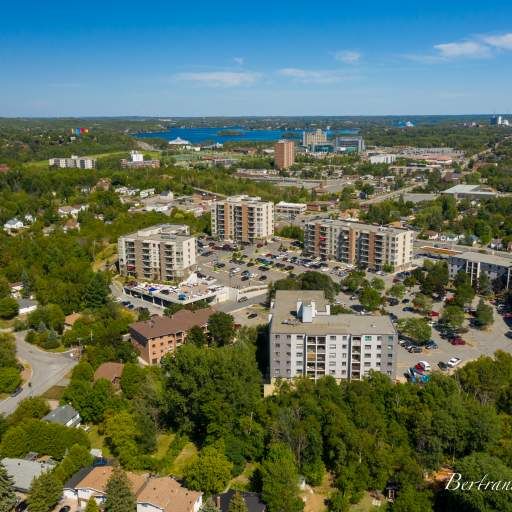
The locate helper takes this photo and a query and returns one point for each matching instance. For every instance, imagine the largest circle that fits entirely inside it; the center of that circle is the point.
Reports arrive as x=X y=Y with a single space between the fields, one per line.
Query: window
x=377 y=363
x=390 y=363
x=332 y=338
x=333 y=372
x=332 y=347
x=379 y=338
x=277 y=336
x=367 y=365
x=332 y=363
x=344 y=354
x=379 y=356
x=367 y=347
x=390 y=348
x=379 y=347
x=367 y=355
x=390 y=338
x=367 y=338
x=343 y=346
x=277 y=345
x=332 y=356
x=343 y=363
x=288 y=336
x=343 y=372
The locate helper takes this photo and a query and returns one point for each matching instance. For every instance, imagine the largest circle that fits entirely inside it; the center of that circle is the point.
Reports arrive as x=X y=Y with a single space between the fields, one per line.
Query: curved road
x=47 y=370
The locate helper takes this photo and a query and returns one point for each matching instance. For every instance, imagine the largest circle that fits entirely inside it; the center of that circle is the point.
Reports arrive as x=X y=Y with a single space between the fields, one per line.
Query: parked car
x=431 y=345
x=252 y=315
x=219 y=264
x=457 y=341
x=65 y=508
x=289 y=267
x=17 y=391
x=453 y=362
x=242 y=299
x=415 y=350
x=263 y=278
x=425 y=366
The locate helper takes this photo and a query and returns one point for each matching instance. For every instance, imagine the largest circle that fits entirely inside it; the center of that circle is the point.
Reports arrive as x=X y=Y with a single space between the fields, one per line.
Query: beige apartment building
x=243 y=219
x=359 y=244
x=284 y=154
x=307 y=341
x=159 y=253
x=317 y=136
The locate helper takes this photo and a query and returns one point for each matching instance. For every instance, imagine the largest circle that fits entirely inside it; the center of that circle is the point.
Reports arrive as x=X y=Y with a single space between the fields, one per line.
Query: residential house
x=64 y=415
x=23 y=471
x=71 y=210
x=152 y=494
x=110 y=371
x=252 y=501
x=13 y=225
x=26 y=306
x=158 y=336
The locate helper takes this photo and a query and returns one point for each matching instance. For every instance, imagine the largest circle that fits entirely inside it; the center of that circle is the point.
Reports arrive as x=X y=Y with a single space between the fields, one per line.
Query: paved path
x=47 y=370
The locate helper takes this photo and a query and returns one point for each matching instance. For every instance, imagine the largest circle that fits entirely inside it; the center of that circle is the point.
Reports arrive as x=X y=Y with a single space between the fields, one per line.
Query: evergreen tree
x=44 y=493
x=96 y=292
x=92 y=506
x=237 y=503
x=7 y=496
x=119 y=496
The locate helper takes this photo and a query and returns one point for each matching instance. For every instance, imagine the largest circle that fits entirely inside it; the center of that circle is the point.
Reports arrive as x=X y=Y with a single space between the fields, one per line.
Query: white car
x=235 y=270
x=325 y=269
x=453 y=362
x=425 y=365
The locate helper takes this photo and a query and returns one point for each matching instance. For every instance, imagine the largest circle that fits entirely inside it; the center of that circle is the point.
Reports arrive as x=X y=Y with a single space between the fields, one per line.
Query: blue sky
x=255 y=58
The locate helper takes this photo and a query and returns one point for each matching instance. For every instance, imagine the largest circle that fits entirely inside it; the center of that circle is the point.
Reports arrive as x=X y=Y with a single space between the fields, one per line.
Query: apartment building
x=314 y=137
x=75 y=162
x=243 y=219
x=290 y=210
x=498 y=268
x=284 y=154
x=137 y=161
x=155 y=338
x=306 y=340
x=359 y=244
x=159 y=253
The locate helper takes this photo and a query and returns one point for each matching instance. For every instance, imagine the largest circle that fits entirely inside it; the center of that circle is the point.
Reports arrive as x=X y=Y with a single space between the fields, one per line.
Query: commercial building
x=284 y=154
x=306 y=340
x=152 y=493
x=350 y=144
x=242 y=219
x=498 y=268
x=314 y=137
x=470 y=192
x=155 y=338
x=382 y=158
x=161 y=253
x=75 y=162
x=137 y=161
x=356 y=243
x=290 y=210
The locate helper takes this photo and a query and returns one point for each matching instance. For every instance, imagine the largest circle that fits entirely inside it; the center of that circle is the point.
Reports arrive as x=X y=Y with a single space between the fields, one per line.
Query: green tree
x=29 y=408
x=8 y=308
x=92 y=506
x=10 y=379
x=77 y=457
x=354 y=280
x=370 y=298
x=484 y=284
x=45 y=492
x=132 y=378
x=464 y=294
x=423 y=303
x=221 y=328
x=453 y=315
x=377 y=283
x=280 y=480
x=7 y=494
x=484 y=314
x=237 y=503
x=397 y=291
x=119 y=496
x=210 y=472
x=410 y=499
x=196 y=336
x=96 y=292
x=418 y=329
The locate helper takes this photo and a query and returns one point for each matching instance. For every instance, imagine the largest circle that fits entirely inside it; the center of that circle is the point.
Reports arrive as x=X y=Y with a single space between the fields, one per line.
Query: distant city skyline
x=230 y=59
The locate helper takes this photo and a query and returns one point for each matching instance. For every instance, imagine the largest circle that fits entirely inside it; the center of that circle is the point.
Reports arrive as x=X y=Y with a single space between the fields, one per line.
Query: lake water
x=213 y=135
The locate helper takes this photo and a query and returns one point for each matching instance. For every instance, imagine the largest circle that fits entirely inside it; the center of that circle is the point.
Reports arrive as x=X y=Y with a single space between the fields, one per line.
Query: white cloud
x=239 y=60
x=310 y=76
x=220 y=78
x=468 y=49
x=347 y=56
x=503 y=42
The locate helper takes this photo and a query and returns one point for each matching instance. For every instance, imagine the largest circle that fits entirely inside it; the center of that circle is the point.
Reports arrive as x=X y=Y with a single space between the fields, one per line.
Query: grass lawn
x=365 y=505
x=162 y=444
x=97 y=441
x=185 y=457
x=105 y=257
x=54 y=393
x=242 y=481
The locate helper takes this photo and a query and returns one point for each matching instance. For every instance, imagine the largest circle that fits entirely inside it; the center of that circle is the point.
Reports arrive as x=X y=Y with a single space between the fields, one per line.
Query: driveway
x=47 y=370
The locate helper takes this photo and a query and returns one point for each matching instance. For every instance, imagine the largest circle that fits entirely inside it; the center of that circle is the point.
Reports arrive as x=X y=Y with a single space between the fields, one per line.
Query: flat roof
x=161 y=233
x=24 y=471
x=284 y=319
x=467 y=189
x=359 y=225
x=491 y=259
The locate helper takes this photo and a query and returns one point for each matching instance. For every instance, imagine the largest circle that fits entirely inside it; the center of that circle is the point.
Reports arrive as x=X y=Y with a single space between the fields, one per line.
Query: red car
x=434 y=314
x=419 y=368
x=457 y=341
x=507 y=315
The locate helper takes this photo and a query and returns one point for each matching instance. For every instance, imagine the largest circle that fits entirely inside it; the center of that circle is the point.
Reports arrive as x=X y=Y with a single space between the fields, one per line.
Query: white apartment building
x=306 y=340
x=361 y=244
x=243 y=219
x=160 y=253
x=75 y=162
x=290 y=210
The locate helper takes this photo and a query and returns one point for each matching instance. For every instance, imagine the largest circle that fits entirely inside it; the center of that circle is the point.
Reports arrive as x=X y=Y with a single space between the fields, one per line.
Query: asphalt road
x=47 y=370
